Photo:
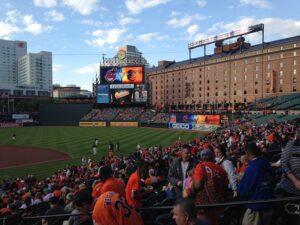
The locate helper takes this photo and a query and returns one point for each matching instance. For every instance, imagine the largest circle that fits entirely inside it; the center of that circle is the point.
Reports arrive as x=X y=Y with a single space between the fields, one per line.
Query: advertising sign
x=182 y=126
x=102 y=94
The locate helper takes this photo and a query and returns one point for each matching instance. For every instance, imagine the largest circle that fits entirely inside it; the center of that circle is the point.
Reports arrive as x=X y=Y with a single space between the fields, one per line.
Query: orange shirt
x=115 y=185
x=112 y=209
x=133 y=184
x=97 y=190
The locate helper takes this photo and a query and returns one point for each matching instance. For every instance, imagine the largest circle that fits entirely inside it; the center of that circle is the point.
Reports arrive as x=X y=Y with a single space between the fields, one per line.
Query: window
x=256 y=59
x=295 y=72
x=268 y=74
x=281 y=64
x=234 y=79
x=294 y=89
x=246 y=61
x=234 y=93
x=281 y=47
x=256 y=68
x=256 y=91
x=256 y=76
x=245 y=92
x=295 y=45
x=281 y=81
x=281 y=73
x=281 y=55
x=295 y=53
x=295 y=63
x=245 y=77
x=269 y=57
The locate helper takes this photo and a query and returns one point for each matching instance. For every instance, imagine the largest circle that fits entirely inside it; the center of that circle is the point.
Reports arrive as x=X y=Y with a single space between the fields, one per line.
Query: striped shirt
x=290 y=162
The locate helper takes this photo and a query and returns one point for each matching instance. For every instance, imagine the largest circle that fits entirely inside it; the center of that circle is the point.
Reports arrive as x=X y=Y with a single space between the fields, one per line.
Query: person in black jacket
x=179 y=168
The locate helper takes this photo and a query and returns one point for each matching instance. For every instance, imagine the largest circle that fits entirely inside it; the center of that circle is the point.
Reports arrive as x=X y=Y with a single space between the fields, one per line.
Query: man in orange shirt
x=112 y=209
x=109 y=182
x=134 y=187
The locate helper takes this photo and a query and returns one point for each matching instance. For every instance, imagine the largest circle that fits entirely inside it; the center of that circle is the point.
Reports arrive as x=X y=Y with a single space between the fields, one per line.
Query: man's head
x=252 y=151
x=83 y=201
x=105 y=172
x=185 y=153
x=206 y=155
x=184 y=212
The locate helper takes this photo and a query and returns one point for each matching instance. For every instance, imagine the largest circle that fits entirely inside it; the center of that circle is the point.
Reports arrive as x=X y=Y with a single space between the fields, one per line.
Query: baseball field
x=43 y=150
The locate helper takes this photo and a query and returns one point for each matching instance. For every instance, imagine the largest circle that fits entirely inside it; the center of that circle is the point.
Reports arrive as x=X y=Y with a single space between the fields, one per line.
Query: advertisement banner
x=10 y=125
x=182 y=126
x=124 y=124
x=20 y=116
x=195 y=119
x=92 y=124
x=102 y=94
x=121 y=86
x=208 y=119
x=205 y=127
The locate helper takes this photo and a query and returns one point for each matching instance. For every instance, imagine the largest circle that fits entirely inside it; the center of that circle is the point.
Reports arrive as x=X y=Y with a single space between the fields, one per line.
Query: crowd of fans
x=249 y=162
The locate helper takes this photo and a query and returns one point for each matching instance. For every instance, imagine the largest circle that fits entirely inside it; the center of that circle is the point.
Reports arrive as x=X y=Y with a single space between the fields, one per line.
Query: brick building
x=261 y=71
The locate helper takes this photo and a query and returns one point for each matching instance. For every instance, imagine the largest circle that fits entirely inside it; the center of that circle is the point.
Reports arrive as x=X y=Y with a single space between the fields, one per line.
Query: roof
x=215 y=56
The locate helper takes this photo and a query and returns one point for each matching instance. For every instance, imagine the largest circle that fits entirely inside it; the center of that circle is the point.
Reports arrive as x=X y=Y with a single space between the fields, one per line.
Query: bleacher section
x=277 y=102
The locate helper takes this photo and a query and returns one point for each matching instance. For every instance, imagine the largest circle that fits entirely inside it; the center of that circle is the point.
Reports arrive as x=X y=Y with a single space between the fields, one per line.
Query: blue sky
x=78 y=32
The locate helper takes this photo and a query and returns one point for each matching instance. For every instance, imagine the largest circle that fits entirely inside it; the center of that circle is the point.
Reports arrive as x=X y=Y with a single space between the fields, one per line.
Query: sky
x=78 y=32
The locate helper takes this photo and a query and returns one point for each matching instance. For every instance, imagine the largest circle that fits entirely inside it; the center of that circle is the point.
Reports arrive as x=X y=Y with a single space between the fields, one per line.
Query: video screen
x=122 y=75
x=121 y=96
x=140 y=93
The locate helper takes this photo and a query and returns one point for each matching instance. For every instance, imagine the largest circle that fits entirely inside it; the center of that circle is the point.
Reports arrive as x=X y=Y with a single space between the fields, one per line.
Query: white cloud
x=45 y=3
x=137 y=6
x=87 y=70
x=6 y=30
x=185 y=20
x=11 y=16
x=191 y=30
x=103 y=37
x=275 y=28
x=55 y=16
x=128 y=20
x=201 y=3
x=57 y=67
x=84 y=7
x=256 y=3
x=34 y=27
x=151 y=36
x=96 y=23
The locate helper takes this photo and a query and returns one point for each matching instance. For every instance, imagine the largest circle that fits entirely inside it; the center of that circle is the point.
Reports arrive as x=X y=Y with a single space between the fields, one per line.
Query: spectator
x=83 y=206
x=178 y=170
x=222 y=160
x=109 y=182
x=185 y=213
x=55 y=209
x=210 y=183
x=134 y=188
x=290 y=179
x=257 y=184
x=112 y=209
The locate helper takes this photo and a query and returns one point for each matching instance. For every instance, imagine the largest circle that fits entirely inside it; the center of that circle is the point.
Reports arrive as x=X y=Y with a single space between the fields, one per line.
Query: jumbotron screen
x=122 y=75
x=122 y=94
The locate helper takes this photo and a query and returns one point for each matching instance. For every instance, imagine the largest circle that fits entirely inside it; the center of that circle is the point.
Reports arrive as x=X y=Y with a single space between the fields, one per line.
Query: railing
x=292 y=207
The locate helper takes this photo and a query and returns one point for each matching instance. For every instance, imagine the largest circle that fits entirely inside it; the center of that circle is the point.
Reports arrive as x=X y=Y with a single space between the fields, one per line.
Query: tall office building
x=35 y=69
x=22 y=73
x=10 y=53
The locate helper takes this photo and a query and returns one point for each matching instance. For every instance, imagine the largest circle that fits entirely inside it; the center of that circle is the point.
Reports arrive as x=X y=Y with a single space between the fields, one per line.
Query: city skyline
x=78 y=32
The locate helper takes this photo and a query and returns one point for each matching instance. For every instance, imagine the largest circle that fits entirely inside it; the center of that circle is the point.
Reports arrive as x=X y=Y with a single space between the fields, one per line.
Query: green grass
x=78 y=141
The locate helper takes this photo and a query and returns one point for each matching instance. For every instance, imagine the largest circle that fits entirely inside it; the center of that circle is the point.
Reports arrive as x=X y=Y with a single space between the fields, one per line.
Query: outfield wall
x=62 y=114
